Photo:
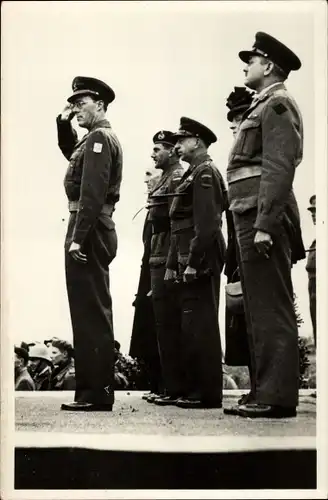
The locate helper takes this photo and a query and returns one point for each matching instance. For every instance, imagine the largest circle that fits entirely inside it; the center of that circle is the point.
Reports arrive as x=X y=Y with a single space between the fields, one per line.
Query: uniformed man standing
x=167 y=317
x=92 y=185
x=196 y=258
x=144 y=345
x=261 y=169
x=311 y=270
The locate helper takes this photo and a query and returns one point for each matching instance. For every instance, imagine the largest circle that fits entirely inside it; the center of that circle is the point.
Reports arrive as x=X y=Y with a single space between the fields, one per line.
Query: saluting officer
x=196 y=258
x=261 y=169
x=167 y=318
x=92 y=185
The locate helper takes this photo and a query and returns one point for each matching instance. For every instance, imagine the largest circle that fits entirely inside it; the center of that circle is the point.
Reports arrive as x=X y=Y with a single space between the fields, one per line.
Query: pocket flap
x=242 y=205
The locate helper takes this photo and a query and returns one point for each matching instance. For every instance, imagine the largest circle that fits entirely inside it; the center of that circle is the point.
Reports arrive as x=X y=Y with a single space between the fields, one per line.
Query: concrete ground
x=134 y=419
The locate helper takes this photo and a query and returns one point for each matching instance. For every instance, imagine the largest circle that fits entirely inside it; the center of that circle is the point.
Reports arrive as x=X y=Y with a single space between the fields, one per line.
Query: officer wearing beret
x=92 y=185
x=311 y=270
x=262 y=163
x=167 y=318
x=236 y=342
x=195 y=261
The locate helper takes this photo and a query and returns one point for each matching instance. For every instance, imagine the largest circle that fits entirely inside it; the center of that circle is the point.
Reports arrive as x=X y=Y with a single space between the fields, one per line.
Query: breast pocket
x=249 y=138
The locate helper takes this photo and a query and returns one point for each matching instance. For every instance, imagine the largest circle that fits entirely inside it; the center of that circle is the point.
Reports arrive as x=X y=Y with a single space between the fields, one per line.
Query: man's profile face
x=160 y=155
x=57 y=356
x=151 y=178
x=254 y=72
x=185 y=147
x=85 y=109
x=236 y=120
x=19 y=362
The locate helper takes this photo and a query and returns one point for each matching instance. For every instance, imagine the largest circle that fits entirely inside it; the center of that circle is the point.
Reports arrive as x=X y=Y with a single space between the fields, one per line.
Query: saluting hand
x=75 y=251
x=263 y=242
x=189 y=275
x=68 y=113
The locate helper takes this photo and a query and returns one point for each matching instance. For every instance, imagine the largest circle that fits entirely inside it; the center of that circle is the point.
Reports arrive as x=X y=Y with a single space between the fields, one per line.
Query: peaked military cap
x=192 y=128
x=238 y=101
x=84 y=85
x=165 y=137
x=312 y=202
x=268 y=46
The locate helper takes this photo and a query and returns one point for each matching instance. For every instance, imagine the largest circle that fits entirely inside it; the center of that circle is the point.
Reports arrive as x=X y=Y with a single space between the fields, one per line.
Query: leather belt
x=74 y=206
x=243 y=173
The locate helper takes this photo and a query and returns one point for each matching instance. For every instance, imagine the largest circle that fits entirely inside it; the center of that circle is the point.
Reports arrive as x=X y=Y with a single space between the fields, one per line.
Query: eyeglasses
x=79 y=104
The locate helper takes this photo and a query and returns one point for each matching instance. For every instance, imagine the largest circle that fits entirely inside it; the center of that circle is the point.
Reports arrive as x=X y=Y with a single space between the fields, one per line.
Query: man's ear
x=269 y=68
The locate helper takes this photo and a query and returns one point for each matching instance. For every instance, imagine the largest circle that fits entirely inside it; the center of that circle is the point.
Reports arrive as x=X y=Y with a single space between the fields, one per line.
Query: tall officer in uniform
x=92 y=185
x=261 y=169
x=167 y=318
x=195 y=260
x=311 y=270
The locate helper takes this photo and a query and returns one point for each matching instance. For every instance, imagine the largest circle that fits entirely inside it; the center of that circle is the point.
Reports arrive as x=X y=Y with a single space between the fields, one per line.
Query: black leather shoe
x=253 y=410
x=146 y=396
x=197 y=404
x=76 y=406
x=151 y=398
x=166 y=400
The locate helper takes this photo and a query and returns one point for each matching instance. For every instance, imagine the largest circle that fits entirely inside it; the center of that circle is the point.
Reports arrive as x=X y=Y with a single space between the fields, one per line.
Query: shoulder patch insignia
x=280 y=108
x=97 y=147
x=206 y=180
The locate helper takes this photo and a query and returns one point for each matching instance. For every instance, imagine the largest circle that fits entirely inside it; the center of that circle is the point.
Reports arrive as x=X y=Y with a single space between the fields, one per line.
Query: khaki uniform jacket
x=262 y=163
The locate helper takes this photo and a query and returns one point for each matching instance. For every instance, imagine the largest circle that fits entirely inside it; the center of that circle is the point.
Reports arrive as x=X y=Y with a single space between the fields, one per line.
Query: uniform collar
x=164 y=176
x=198 y=160
x=263 y=95
x=103 y=123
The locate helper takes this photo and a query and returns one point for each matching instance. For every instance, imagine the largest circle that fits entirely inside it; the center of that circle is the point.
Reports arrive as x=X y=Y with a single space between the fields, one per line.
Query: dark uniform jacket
x=94 y=173
x=196 y=219
x=63 y=377
x=159 y=207
x=42 y=379
x=24 y=381
x=267 y=149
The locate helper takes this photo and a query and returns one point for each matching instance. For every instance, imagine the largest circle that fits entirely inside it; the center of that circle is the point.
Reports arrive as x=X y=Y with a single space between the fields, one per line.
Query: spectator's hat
x=312 y=202
x=117 y=345
x=22 y=351
x=269 y=47
x=39 y=351
x=83 y=85
x=192 y=128
x=238 y=101
x=165 y=137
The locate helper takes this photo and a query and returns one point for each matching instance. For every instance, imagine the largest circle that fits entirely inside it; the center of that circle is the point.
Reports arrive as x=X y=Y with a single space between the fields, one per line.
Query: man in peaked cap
x=195 y=262
x=262 y=163
x=311 y=270
x=167 y=320
x=92 y=185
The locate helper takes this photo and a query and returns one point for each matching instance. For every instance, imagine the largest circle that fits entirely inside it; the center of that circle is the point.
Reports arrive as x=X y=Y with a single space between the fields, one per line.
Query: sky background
x=163 y=60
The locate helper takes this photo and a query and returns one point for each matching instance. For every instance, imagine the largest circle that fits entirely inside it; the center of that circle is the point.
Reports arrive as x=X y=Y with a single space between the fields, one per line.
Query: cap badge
x=161 y=135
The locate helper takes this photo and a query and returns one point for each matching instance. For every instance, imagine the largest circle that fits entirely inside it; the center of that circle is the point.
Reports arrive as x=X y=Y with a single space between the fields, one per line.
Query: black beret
x=192 y=128
x=22 y=352
x=238 y=101
x=312 y=202
x=268 y=46
x=166 y=137
x=84 y=85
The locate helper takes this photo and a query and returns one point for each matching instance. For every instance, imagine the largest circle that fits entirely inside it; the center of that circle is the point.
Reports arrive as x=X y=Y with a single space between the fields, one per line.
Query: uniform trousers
x=90 y=306
x=201 y=353
x=168 y=326
x=270 y=315
x=313 y=304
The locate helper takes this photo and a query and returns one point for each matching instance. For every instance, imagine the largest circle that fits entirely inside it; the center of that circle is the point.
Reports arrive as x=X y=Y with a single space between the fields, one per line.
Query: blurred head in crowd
x=61 y=352
x=312 y=208
x=117 y=347
x=39 y=359
x=151 y=178
x=21 y=357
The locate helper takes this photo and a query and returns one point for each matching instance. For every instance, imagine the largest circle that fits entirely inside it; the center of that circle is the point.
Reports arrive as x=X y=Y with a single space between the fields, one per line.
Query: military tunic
x=92 y=181
x=197 y=241
x=164 y=300
x=261 y=169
